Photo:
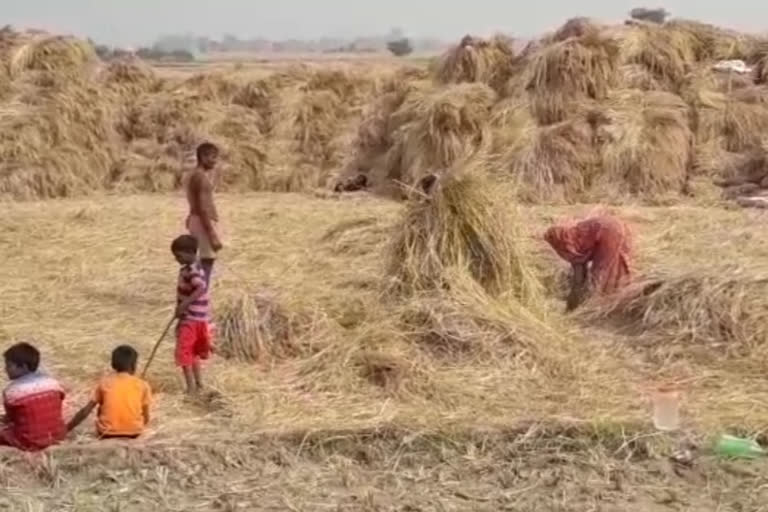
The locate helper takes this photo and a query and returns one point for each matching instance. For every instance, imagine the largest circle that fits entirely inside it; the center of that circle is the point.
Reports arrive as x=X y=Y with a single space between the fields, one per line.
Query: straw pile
x=437 y=130
x=463 y=225
x=552 y=163
x=566 y=119
x=476 y=60
x=645 y=143
x=56 y=55
x=721 y=308
x=569 y=72
x=667 y=53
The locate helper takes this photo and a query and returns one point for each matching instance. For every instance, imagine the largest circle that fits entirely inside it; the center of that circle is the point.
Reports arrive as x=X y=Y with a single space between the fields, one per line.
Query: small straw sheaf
x=254 y=327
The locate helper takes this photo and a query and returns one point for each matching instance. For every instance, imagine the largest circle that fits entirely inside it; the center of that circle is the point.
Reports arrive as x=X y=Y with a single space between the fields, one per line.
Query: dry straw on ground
x=721 y=308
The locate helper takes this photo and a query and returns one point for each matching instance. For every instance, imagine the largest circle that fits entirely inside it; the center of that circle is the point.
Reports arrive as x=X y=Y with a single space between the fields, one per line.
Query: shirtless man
x=203 y=217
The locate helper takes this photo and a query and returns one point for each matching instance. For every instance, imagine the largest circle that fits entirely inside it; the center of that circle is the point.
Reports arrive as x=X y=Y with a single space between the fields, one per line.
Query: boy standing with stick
x=193 y=341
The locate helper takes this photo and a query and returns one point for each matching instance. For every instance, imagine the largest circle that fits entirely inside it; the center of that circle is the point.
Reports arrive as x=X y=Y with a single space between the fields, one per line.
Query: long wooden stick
x=157 y=345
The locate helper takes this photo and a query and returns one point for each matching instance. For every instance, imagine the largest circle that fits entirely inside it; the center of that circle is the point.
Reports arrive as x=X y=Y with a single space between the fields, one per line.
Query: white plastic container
x=666 y=409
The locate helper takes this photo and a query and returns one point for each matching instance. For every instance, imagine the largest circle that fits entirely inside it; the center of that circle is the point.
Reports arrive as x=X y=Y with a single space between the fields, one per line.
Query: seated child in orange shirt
x=123 y=399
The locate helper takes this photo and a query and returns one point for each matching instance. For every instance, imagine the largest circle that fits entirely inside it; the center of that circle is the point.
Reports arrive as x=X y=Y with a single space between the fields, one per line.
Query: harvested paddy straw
x=442 y=128
x=463 y=224
x=565 y=73
x=476 y=60
x=645 y=143
x=255 y=328
x=717 y=307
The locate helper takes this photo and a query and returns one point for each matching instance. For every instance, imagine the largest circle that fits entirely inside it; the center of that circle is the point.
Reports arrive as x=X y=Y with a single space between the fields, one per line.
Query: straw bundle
x=216 y=87
x=462 y=225
x=719 y=307
x=553 y=163
x=438 y=130
x=574 y=28
x=635 y=76
x=310 y=123
x=646 y=143
x=566 y=73
x=54 y=54
x=130 y=76
x=735 y=121
x=55 y=147
x=476 y=60
x=261 y=96
x=255 y=328
x=669 y=55
x=352 y=87
x=714 y=43
x=511 y=120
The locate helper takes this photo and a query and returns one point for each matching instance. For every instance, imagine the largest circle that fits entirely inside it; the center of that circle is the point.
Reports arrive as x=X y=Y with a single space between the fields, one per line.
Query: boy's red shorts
x=193 y=343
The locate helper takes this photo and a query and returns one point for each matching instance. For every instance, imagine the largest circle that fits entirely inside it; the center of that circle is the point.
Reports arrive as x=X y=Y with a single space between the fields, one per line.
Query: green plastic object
x=738 y=448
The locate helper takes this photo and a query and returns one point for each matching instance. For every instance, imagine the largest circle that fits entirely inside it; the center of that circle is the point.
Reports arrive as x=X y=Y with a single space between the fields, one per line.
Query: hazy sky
x=137 y=21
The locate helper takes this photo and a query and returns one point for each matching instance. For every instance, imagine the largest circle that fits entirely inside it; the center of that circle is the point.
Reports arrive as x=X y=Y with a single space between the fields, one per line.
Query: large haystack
x=645 y=143
x=438 y=129
x=463 y=225
x=567 y=73
x=476 y=60
x=723 y=308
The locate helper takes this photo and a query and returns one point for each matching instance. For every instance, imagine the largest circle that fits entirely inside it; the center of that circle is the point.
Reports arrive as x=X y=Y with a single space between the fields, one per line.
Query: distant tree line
x=186 y=48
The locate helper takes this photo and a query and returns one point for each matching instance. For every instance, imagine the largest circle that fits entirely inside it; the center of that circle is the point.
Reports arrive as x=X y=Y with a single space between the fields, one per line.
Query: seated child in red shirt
x=33 y=402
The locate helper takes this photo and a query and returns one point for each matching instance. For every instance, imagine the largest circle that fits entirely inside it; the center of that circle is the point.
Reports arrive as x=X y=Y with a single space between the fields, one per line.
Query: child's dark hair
x=124 y=359
x=206 y=148
x=23 y=355
x=184 y=243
